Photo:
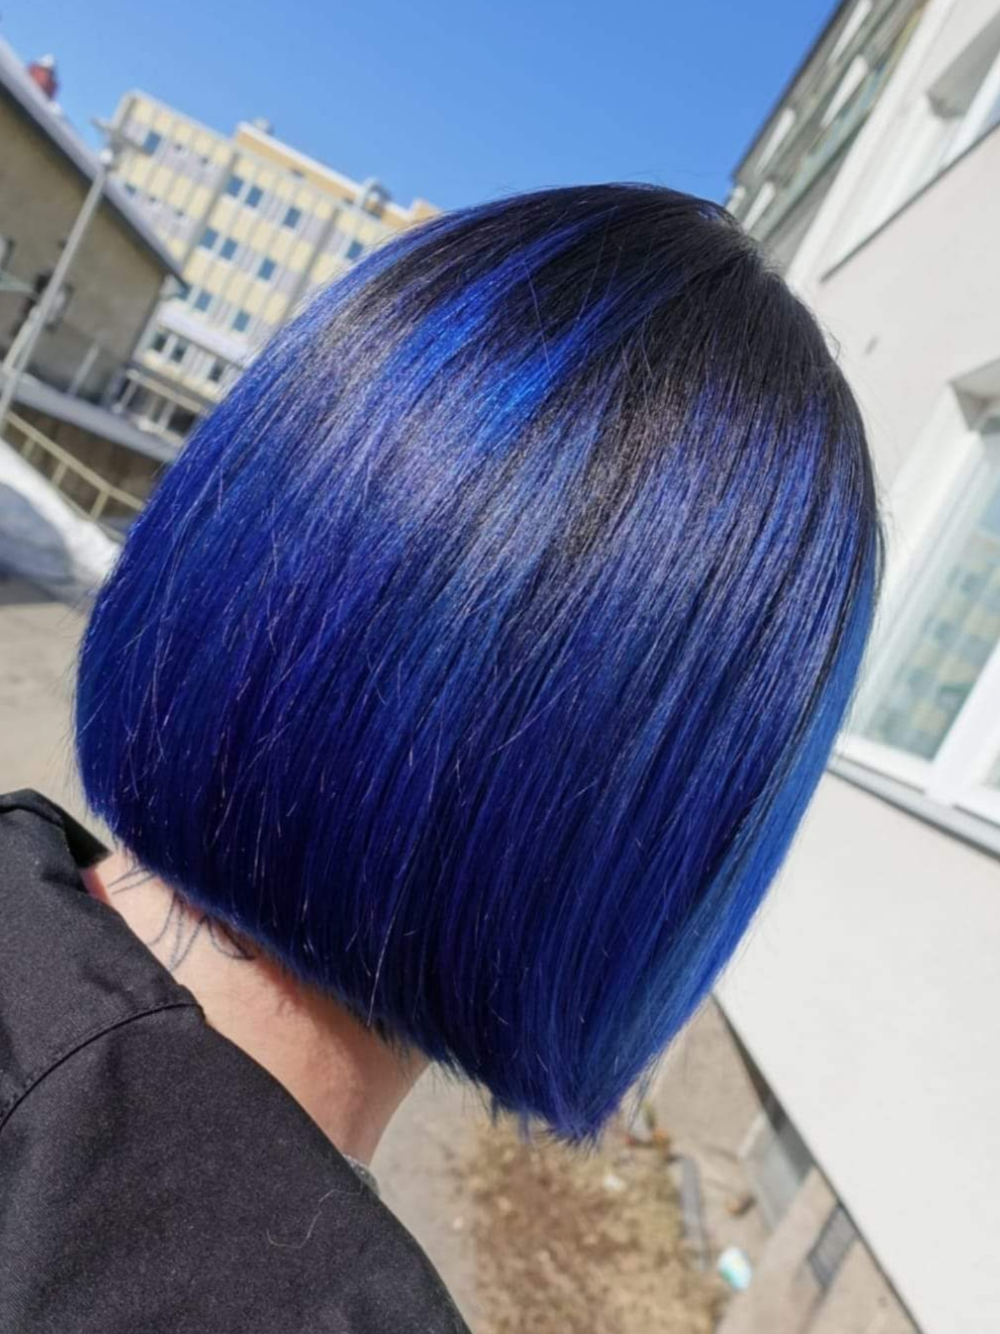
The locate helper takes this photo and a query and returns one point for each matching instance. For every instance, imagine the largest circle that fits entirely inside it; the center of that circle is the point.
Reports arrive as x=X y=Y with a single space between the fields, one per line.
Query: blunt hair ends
x=480 y=653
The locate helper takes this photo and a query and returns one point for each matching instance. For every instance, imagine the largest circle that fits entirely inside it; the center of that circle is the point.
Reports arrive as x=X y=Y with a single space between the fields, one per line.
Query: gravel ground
x=581 y=1242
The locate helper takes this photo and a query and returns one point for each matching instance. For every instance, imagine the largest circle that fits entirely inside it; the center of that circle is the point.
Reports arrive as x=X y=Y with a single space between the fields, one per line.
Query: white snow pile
x=43 y=539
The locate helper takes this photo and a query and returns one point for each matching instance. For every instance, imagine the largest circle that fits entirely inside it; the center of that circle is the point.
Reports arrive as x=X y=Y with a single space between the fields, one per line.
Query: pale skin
x=348 y=1080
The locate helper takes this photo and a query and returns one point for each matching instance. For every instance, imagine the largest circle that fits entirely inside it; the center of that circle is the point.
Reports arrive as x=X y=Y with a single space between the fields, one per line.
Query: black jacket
x=153 y=1177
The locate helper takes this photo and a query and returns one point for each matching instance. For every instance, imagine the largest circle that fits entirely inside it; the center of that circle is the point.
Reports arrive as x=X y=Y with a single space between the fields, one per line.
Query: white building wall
x=869 y=992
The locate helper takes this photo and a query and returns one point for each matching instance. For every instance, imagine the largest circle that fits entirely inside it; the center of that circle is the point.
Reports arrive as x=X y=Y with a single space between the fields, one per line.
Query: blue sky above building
x=457 y=102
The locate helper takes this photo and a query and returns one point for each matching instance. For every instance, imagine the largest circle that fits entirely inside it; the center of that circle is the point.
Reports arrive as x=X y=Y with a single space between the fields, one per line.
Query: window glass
x=209 y=237
x=178 y=350
x=181 y=421
x=241 y=321
x=158 y=341
x=267 y=268
x=254 y=195
x=203 y=300
x=215 y=370
x=152 y=141
x=292 y=217
x=228 y=248
x=355 y=249
x=234 y=185
x=950 y=629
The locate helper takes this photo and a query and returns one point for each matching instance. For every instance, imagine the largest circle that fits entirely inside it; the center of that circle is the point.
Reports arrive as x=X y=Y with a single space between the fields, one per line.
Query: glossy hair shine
x=480 y=653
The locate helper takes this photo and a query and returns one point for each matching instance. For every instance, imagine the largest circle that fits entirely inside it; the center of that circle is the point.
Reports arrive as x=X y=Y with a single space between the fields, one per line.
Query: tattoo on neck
x=183 y=924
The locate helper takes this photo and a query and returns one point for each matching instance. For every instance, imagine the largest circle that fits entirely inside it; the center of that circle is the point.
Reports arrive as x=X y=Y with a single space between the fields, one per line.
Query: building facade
x=868 y=996
x=101 y=312
x=257 y=228
x=45 y=172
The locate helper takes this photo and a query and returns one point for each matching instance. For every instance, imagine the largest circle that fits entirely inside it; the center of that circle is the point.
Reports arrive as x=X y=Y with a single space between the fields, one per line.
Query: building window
x=355 y=249
x=234 y=186
x=960 y=107
x=292 y=218
x=215 y=371
x=761 y=203
x=209 y=238
x=178 y=351
x=158 y=342
x=151 y=142
x=254 y=195
x=829 y=1252
x=241 y=321
x=851 y=29
x=777 y=1161
x=129 y=188
x=926 y=713
x=181 y=421
x=228 y=248
x=779 y=133
x=266 y=270
x=203 y=300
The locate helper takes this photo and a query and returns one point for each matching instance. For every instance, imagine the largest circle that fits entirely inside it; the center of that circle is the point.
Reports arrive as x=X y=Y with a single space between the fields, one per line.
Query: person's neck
x=347 y=1079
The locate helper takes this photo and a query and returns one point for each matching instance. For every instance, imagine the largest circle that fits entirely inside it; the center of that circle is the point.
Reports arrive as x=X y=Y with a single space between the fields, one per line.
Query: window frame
x=955 y=778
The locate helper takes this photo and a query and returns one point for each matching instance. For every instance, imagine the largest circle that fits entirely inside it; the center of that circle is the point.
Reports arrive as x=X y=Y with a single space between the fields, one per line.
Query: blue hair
x=480 y=653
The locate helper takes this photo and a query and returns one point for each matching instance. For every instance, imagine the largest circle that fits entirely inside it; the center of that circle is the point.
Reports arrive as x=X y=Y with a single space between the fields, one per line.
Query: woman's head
x=480 y=653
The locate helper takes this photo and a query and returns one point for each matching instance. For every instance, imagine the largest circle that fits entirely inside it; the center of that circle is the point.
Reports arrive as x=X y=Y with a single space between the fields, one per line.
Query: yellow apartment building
x=256 y=227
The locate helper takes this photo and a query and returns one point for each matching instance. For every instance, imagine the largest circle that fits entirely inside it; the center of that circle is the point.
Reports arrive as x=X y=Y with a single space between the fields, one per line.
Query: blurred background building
x=867 y=1002
x=257 y=228
x=61 y=406
x=202 y=245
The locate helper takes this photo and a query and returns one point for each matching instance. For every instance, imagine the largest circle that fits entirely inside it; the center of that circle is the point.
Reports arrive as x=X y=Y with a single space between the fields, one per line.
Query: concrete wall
x=869 y=992
x=917 y=306
x=115 y=281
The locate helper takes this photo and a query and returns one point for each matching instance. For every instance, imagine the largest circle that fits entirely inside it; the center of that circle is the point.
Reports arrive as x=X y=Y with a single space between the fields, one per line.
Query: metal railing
x=56 y=465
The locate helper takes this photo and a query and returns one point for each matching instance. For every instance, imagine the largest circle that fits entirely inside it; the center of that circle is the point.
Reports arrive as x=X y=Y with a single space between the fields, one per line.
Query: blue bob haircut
x=480 y=653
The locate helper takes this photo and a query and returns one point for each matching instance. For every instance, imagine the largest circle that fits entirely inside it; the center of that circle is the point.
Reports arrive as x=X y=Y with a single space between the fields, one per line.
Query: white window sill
x=979 y=833
x=903 y=206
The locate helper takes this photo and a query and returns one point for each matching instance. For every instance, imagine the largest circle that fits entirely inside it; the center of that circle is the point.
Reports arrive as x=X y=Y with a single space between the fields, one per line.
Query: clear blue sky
x=455 y=100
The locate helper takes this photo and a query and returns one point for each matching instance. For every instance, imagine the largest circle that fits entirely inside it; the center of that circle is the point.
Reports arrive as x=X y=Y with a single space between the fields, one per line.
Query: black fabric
x=152 y=1176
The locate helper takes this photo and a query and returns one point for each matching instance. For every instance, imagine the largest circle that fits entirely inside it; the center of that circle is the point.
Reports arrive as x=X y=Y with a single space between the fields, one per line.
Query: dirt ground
x=581 y=1242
